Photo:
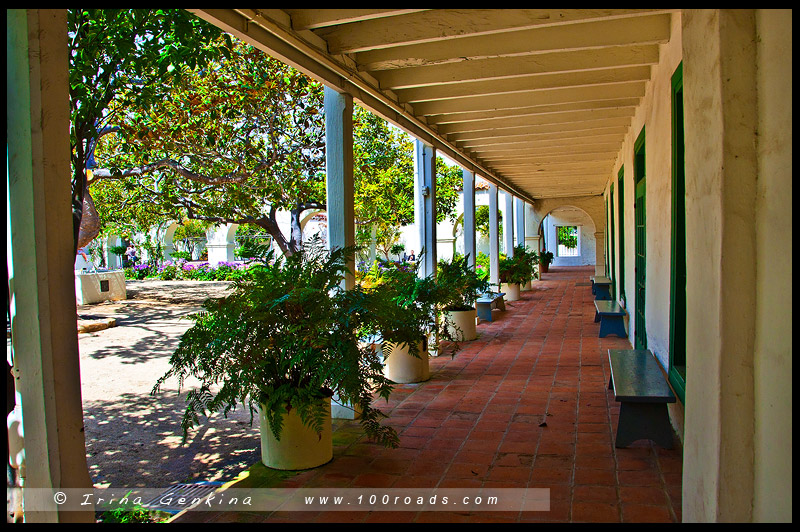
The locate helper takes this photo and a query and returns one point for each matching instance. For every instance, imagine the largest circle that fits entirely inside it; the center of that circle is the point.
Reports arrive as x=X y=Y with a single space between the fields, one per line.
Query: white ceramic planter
x=402 y=368
x=511 y=291
x=299 y=447
x=461 y=324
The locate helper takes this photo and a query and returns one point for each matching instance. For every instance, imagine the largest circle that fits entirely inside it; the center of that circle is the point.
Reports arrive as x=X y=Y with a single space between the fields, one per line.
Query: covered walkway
x=524 y=405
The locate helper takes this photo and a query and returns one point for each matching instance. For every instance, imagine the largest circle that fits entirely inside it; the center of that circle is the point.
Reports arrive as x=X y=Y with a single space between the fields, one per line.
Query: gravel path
x=133 y=439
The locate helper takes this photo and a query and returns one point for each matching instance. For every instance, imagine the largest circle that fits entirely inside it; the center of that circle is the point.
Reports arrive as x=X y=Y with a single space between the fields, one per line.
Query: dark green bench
x=601 y=287
x=487 y=302
x=610 y=315
x=643 y=393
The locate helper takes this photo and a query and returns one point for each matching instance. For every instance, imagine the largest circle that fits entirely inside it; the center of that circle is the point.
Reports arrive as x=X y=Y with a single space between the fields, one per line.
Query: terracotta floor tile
x=641 y=513
x=643 y=495
x=595 y=512
x=600 y=477
x=607 y=494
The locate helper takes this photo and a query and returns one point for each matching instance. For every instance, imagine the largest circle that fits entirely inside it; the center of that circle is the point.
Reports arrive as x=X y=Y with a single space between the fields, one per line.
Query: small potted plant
x=514 y=272
x=545 y=258
x=283 y=343
x=531 y=259
x=460 y=287
x=409 y=321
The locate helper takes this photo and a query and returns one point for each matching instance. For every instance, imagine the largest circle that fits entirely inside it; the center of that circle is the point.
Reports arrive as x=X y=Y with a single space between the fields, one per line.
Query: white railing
x=564 y=251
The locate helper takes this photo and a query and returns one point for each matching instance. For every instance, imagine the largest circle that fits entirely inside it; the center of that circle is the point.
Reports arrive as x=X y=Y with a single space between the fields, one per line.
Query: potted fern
x=545 y=258
x=283 y=343
x=531 y=259
x=460 y=287
x=514 y=272
x=409 y=321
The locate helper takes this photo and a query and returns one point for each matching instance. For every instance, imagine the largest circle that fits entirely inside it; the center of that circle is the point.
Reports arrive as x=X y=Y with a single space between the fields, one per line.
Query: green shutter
x=640 y=240
x=677 y=322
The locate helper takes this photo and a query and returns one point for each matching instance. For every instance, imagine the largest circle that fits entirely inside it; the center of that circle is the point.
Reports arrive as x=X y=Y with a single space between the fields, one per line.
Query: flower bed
x=181 y=270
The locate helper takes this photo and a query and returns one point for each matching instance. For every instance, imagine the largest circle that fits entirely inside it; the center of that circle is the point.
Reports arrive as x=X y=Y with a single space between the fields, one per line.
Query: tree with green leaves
x=128 y=57
x=245 y=140
x=234 y=145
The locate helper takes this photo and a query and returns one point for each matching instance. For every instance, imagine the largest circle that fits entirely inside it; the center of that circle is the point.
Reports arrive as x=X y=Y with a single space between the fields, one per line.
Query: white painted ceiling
x=538 y=99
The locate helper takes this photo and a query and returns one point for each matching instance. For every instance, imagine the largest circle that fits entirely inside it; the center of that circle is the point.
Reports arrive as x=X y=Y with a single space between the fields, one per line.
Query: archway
x=590 y=208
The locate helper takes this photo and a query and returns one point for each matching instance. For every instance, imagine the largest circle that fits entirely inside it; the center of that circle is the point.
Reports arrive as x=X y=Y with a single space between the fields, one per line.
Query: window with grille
x=568 y=241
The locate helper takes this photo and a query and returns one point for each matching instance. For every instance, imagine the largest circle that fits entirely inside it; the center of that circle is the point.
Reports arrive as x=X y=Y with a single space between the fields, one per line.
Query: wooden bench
x=610 y=315
x=601 y=288
x=487 y=302
x=643 y=393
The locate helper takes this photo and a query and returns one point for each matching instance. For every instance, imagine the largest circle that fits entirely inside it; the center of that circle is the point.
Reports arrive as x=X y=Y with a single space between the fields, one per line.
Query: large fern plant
x=460 y=284
x=287 y=336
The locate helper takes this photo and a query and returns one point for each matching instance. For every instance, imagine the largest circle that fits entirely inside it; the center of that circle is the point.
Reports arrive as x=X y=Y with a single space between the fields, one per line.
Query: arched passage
x=590 y=208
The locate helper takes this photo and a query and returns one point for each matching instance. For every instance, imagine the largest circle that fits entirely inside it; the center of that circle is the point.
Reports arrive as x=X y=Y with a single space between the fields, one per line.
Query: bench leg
x=643 y=421
x=612 y=325
x=484 y=312
x=602 y=292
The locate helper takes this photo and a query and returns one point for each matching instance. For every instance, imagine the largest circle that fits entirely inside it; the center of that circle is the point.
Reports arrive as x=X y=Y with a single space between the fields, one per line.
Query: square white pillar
x=508 y=224
x=339 y=184
x=519 y=217
x=425 y=204
x=494 y=238
x=469 y=217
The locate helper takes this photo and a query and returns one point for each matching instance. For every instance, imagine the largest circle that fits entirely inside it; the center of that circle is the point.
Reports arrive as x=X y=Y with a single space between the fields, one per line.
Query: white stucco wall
x=571 y=216
x=772 y=499
x=654 y=115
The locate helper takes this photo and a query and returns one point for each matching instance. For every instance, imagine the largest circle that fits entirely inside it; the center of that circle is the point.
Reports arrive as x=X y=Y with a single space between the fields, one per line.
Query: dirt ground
x=133 y=439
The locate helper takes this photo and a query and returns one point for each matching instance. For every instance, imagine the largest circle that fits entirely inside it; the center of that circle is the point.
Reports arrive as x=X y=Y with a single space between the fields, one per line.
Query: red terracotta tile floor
x=525 y=405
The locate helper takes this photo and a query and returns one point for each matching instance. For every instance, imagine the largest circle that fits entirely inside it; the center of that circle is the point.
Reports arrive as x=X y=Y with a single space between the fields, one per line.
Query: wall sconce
x=425 y=191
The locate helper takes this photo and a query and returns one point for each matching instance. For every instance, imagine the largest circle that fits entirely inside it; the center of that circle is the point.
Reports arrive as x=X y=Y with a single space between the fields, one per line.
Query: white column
x=218 y=246
x=339 y=185
x=519 y=216
x=339 y=189
x=425 y=204
x=40 y=258
x=599 y=253
x=508 y=225
x=494 y=238
x=469 y=217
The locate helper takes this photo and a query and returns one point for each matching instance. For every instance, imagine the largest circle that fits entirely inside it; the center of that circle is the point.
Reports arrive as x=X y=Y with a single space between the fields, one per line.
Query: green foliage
x=482 y=265
x=185 y=255
x=416 y=306
x=546 y=257
x=287 y=336
x=127 y=515
x=460 y=285
x=530 y=256
x=252 y=242
x=449 y=182
x=117 y=250
x=129 y=57
x=482 y=220
x=233 y=144
x=517 y=269
x=397 y=249
x=567 y=236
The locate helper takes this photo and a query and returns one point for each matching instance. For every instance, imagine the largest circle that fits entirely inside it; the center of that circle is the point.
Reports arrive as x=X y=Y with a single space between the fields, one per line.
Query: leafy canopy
x=129 y=57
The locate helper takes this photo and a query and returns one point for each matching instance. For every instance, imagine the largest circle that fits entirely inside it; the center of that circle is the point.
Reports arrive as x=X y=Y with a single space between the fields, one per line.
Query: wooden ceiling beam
x=651 y=29
x=511 y=67
x=517 y=100
x=442 y=24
